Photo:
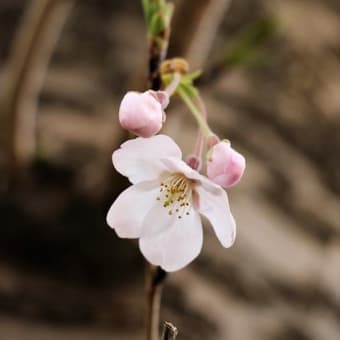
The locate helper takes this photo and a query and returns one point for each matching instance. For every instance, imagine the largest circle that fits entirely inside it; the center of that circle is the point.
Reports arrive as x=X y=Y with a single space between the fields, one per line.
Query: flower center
x=175 y=194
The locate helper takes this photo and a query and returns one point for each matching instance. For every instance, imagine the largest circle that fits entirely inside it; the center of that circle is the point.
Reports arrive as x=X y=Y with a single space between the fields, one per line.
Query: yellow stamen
x=177 y=198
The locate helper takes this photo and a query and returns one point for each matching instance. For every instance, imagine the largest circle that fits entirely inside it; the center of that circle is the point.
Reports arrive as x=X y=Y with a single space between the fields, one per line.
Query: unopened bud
x=225 y=166
x=142 y=113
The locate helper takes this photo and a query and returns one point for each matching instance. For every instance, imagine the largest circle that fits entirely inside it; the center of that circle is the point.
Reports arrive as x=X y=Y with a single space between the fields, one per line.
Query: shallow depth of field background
x=65 y=275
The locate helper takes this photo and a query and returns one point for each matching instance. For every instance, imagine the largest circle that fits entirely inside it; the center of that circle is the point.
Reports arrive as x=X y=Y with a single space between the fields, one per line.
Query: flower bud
x=225 y=166
x=142 y=113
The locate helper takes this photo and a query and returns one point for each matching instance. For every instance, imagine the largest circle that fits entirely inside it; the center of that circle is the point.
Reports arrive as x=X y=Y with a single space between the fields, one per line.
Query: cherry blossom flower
x=163 y=206
x=143 y=113
x=225 y=166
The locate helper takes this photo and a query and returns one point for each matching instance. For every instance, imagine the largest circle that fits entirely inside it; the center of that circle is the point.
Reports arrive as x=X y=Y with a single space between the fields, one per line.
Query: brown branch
x=23 y=79
x=155 y=277
x=194 y=40
x=170 y=332
x=157 y=54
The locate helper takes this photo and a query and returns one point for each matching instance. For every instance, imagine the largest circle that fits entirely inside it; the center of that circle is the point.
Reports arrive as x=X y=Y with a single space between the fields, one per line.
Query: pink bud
x=225 y=166
x=142 y=113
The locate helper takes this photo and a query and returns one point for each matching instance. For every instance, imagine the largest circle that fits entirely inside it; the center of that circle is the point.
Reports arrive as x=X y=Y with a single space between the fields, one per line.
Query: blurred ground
x=65 y=275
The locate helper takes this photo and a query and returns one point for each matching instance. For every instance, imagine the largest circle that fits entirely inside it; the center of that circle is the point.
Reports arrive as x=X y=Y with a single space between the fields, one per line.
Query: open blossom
x=225 y=166
x=143 y=113
x=163 y=206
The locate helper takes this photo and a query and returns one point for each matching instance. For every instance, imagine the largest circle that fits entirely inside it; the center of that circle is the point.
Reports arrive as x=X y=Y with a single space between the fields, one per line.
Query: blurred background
x=272 y=85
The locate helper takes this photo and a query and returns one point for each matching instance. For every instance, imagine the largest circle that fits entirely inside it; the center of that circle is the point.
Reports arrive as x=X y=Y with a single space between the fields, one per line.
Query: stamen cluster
x=176 y=195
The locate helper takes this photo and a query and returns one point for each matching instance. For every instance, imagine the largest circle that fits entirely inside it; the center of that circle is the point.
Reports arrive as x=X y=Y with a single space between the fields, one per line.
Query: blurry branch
x=194 y=28
x=24 y=75
x=245 y=48
x=169 y=331
x=155 y=277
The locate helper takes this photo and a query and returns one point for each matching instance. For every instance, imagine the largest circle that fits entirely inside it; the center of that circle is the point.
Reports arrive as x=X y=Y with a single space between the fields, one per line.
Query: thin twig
x=157 y=54
x=154 y=282
x=171 y=88
x=170 y=332
x=155 y=275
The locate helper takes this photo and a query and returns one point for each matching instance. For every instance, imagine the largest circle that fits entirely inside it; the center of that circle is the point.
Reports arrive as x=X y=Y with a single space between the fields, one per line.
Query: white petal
x=213 y=204
x=157 y=220
x=139 y=158
x=174 y=165
x=177 y=245
x=127 y=213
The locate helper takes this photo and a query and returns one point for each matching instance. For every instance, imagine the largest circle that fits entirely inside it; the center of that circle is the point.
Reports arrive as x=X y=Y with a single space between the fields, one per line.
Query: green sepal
x=191 y=77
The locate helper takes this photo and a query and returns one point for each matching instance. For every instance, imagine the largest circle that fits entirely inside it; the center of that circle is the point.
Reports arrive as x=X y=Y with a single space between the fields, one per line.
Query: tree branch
x=170 y=332
x=154 y=282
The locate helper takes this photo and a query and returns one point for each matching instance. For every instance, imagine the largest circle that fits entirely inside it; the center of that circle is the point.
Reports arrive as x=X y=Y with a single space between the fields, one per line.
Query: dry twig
x=170 y=332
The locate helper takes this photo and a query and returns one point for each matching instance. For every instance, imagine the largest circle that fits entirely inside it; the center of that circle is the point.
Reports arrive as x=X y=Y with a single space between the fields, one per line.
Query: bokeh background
x=272 y=85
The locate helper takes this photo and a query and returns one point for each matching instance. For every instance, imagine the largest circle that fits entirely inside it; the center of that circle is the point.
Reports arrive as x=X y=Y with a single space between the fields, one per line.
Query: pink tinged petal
x=213 y=204
x=127 y=213
x=173 y=165
x=175 y=247
x=141 y=113
x=225 y=166
x=139 y=159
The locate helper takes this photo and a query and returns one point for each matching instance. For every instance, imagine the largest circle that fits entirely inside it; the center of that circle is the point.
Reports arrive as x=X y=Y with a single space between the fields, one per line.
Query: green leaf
x=191 y=77
x=148 y=8
x=158 y=15
x=168 y=13
x=157 y=24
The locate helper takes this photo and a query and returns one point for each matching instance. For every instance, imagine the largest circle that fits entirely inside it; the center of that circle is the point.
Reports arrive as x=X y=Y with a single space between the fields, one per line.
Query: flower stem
x=200 y=138
x=172 y=87
x=199 y=145
x=155 y=277
x=196 y=113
